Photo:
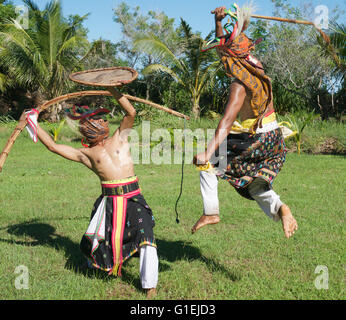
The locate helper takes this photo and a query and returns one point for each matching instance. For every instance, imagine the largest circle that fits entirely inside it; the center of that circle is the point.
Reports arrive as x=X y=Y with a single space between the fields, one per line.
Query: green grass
x=46 y=201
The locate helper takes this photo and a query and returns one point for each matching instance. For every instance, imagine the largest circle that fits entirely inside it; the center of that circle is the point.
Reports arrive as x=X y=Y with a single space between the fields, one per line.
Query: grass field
x=45 y=205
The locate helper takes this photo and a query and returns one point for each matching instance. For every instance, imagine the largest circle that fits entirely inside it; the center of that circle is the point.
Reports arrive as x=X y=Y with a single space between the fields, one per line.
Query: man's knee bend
x=258 y=186
x=269 y=202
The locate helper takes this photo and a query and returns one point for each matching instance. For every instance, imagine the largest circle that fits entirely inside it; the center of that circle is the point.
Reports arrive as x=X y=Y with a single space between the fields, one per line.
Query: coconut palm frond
x=32 y=6
x=209 y=74
x=160 y=68
x=70 y=44
x=42 y=56
x=10 y=36
x=338 y=39
x=336 y=49
x=192 y=68
x=153 y=46
x=186 y=29
x=71 y=30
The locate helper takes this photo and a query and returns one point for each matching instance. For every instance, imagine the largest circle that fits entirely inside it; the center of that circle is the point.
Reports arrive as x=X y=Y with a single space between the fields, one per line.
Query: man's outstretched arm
x=65 y=151
x=62 y=150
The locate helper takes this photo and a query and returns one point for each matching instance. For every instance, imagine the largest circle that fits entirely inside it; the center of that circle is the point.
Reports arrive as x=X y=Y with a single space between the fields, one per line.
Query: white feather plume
x=244 y=16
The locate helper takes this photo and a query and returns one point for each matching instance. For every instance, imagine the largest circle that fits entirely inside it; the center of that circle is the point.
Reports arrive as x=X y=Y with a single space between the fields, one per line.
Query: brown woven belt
x=120 y=190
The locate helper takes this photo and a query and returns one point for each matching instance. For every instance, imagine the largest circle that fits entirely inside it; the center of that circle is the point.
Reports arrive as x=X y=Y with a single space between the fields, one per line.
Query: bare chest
x=246 y=111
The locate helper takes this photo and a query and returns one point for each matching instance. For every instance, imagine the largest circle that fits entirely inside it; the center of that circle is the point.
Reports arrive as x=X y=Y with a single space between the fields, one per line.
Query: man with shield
x=121 y=221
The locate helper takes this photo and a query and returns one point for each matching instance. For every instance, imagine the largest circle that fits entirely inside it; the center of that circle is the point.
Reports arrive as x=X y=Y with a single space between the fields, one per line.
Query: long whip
x=324 y=35
x=182 y=176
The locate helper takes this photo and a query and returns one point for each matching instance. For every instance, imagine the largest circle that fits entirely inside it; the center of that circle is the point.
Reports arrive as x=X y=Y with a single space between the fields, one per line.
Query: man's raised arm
x=219 y=16
x=129 y=118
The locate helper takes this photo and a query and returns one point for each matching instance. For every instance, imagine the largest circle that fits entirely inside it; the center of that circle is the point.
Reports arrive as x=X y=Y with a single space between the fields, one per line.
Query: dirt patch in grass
x=331 y=146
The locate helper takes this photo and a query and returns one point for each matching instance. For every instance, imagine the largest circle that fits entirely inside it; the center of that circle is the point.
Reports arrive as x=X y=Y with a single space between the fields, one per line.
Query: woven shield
x=107 y=77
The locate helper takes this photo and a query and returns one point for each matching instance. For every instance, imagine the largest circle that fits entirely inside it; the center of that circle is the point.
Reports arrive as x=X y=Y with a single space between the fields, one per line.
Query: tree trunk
x=196 y=110
x=147 y=92
x=52 y=114
x=335 y=112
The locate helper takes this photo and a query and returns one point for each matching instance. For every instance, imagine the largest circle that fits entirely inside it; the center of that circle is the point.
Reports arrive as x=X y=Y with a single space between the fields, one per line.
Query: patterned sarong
x=251 y=156
x=121 y=222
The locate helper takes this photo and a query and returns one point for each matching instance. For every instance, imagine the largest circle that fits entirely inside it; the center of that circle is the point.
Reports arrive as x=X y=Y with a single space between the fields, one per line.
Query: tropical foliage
x=41 y=57
x=307 y=74
x=192 y=69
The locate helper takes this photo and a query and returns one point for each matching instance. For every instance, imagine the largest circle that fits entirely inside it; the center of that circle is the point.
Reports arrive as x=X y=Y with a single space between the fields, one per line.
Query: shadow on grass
x=172 y=251
x=43 y=234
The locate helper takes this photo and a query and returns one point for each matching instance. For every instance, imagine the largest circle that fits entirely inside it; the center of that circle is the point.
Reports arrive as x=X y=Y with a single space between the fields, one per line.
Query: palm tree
x=191 y=68
x=336 y=49
x=41 y=57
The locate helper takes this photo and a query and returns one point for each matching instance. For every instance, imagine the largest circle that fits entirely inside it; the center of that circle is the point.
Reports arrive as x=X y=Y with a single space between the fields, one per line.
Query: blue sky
x=196 y=12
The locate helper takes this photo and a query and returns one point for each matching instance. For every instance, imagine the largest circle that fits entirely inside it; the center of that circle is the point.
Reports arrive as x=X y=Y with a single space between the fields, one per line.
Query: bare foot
x=205 y=220
x=151 y=293
x=289 y=224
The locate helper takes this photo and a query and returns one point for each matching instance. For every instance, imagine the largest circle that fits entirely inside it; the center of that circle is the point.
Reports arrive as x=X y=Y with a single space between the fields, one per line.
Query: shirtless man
x=121 y=221
x=250 y=168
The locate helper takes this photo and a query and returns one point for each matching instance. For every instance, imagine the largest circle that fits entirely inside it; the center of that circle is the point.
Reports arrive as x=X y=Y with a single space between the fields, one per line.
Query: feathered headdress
x=244 y=16
x=240 y=21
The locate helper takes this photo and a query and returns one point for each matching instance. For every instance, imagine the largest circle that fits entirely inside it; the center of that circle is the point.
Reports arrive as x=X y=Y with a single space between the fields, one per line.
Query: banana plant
x=298 y=124
x=55 y=128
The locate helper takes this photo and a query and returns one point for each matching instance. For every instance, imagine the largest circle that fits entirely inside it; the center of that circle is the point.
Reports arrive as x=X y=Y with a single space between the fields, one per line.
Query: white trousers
x=268 y=200
x=148 y=267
